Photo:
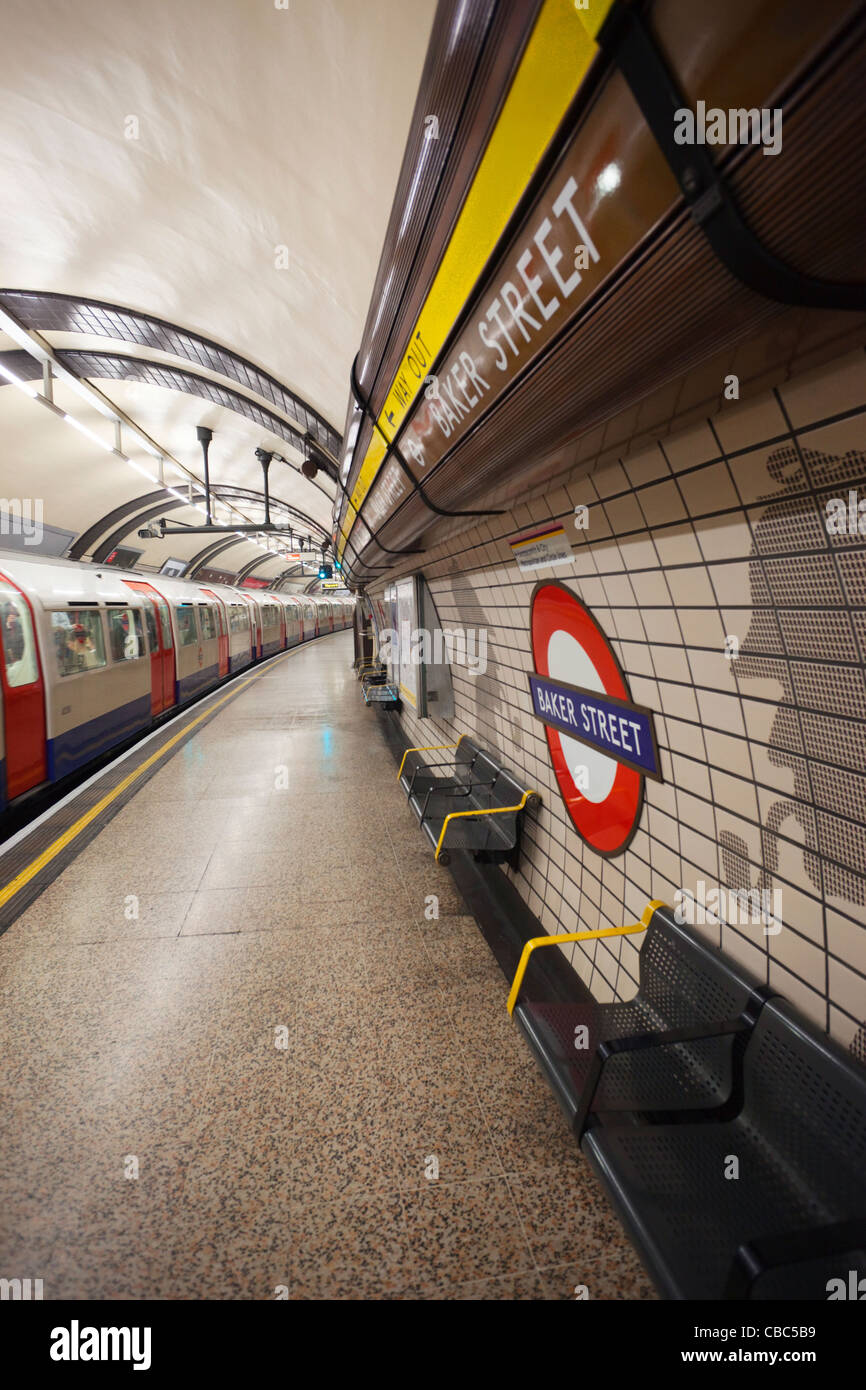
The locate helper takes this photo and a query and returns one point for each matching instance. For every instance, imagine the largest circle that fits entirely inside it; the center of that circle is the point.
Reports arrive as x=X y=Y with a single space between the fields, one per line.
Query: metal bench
x=676 y=1045
x=469 y=802
x=375 y=687
x=767 y=1204
x=730 y=1135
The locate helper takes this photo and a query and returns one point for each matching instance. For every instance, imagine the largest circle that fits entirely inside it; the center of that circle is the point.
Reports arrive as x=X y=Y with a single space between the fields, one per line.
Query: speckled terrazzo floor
x=291 y=916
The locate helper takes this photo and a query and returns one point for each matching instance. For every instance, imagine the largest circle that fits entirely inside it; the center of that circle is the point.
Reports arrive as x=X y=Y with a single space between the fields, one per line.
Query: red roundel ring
x=566 y=637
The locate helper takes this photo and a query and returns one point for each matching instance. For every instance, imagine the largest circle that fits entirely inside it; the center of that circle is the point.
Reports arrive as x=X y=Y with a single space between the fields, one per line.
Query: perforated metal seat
x=470 y=809
x=479 y=833
x=795 y=1214
x=418 y=777
x=685 y=986
x=433 y=796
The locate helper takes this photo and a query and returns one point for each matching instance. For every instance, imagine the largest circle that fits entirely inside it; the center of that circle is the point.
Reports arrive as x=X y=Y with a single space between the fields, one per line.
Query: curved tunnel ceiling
x=193 y=200
x=96 y=366
x=59 y=314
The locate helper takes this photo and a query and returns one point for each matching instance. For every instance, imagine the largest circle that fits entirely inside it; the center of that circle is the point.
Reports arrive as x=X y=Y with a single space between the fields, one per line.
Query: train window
x=186 y=626
x=240 y=620
x=19 y=646
x=150 y=624
x=205 y=617
x=165 y=626
x=125 y=636
x=221 y=621
x=78 y=640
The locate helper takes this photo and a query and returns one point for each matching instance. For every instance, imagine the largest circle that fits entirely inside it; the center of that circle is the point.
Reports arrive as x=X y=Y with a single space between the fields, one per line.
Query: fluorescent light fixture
x=16 y=381
x=143 y=471
x=43 y=354
x=81 y=388
x=82 y=429
x=149 y=448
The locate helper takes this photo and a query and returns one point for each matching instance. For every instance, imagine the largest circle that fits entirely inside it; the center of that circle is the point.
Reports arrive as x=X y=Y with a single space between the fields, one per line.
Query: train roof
x=56 y=582
x=67 y=581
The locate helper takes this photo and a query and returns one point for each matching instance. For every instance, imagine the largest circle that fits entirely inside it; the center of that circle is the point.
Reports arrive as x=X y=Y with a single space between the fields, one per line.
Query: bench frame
x=752 y=1258
x=738 y=1027
x=457 y=790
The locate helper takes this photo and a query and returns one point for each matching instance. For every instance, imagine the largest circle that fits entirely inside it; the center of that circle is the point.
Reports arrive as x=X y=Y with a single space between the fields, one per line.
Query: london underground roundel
x=601 y=744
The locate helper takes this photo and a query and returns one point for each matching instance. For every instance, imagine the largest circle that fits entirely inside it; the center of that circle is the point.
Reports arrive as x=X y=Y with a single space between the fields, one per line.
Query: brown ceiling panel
x=545 y=364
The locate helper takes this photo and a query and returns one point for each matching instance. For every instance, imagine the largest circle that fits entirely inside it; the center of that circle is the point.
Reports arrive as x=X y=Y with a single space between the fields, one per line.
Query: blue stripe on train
x=197 y=681
x=78 y=746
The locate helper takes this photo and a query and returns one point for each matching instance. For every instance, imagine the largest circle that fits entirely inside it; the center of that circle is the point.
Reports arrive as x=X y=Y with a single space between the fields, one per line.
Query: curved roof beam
x=69 y=314
x=290 y=573
x=229 y=492
x=116 y=538
x=109 y=366
x=119 y=366
x=222 y=492
x=208 y=553
x=90 y=537
x=253 y=566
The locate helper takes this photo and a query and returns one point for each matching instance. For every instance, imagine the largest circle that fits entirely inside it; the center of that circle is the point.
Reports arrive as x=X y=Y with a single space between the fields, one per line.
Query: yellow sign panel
x=557 y=56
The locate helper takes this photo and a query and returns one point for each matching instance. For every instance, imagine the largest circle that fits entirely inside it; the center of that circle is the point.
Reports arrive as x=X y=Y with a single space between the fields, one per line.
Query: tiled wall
x=718 y=531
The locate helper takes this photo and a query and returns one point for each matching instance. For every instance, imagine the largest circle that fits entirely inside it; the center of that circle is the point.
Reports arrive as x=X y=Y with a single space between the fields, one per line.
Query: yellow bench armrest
x=575 y=936
x=430 y=748
x=493 y=811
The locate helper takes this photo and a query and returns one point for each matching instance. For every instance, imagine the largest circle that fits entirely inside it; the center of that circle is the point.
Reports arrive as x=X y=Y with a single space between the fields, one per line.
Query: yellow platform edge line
x=51 y=851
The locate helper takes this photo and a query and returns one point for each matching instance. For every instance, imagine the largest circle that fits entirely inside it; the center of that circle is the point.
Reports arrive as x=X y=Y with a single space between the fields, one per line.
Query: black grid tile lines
x=765 y=753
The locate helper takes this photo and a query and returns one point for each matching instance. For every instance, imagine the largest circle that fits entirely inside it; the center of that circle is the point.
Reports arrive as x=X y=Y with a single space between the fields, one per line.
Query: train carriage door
x=169 y=687
x=222 y=631
x=23 y=693
x=157 y=699
x=252 y=612
x=162 y=691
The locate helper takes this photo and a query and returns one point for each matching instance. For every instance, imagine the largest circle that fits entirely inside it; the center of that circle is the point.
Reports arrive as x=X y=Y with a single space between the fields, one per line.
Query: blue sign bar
x=622 y=730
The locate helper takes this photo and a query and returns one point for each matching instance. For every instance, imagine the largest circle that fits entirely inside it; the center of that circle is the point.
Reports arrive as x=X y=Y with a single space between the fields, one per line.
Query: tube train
x=93 y=656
